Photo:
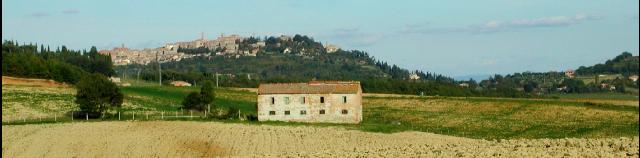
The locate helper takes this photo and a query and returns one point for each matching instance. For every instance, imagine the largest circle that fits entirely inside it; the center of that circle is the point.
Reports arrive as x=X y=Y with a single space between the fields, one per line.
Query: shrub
x=96 y=94
x=252 y=117
x=193 y=101
x=200 y=101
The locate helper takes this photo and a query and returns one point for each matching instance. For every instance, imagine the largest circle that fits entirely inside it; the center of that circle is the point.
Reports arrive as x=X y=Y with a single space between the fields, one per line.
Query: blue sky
x=454 y=38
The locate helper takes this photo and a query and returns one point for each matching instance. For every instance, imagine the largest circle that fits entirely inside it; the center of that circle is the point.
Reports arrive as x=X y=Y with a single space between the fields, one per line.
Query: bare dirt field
x=209 y=139
x=6 y=80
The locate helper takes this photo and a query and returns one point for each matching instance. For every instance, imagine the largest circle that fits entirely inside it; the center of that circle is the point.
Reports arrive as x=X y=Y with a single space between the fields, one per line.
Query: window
x=273 y=100
x=322 y=111
x=321 y=99
x=286 y=100
x=345 y=111
x=344 y=99
x=303 y=112
x=303 y=100
x=272 y=112
x=287 y=113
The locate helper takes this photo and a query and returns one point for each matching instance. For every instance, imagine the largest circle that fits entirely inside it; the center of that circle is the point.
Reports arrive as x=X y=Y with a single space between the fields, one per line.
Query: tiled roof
x=313 y=87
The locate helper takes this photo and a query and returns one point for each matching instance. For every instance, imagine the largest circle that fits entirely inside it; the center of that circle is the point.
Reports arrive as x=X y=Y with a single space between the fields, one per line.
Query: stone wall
x=333 y=106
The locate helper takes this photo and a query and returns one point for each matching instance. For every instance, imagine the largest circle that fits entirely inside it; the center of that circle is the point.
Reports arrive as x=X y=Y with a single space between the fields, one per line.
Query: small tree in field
x=192 y=101
x=200 y=101
x=96 y=94
x=208 y=93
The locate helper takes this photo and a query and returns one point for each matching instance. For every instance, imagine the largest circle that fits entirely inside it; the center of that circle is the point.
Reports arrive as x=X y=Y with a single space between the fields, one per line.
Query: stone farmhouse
x=316 y=101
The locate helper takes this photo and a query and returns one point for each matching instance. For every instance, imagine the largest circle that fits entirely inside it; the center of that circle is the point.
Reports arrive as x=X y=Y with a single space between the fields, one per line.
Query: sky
x=453 y=37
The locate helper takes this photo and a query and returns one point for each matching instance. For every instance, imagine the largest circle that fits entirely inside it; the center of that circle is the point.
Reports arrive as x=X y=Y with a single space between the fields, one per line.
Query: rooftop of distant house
x=312 y=87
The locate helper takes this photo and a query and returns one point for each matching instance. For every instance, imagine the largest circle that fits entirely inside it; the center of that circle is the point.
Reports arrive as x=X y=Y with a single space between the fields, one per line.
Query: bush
x=200 y=101
x=232 y=113
x=96 y=94
x=224 y=113
x=193 y=101
x=252 y=117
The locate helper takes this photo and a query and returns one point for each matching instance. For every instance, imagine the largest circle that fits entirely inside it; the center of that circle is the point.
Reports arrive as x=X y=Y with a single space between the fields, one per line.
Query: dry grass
x=496 y=118
x=29 y=102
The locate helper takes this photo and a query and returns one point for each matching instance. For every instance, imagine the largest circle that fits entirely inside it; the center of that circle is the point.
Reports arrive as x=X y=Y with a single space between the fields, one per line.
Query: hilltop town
x=232 y=45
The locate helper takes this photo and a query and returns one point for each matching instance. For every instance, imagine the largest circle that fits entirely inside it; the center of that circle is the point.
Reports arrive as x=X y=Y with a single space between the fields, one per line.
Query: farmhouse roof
x=313 y=87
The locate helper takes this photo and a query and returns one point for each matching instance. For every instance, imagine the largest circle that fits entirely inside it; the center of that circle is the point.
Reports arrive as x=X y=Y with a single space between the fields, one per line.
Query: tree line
x=87 y=71
x=62 y=64
x=539 y=83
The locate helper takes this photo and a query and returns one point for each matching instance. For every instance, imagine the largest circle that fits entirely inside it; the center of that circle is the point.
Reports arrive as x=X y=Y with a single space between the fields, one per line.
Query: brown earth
x=210 y=139
x=6 y=80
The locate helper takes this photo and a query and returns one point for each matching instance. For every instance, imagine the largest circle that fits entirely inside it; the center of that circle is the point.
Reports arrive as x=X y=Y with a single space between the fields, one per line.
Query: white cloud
x=501 y=26
x=552 y=21
x=70 y=11
x=39 y=14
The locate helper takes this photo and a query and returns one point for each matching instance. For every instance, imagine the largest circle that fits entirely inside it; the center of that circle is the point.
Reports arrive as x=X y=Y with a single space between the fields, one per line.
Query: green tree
x=530 y=86
x=573 y=85
x=200 y=101
x=96 y=94
x=208 y=93
x=192 y=101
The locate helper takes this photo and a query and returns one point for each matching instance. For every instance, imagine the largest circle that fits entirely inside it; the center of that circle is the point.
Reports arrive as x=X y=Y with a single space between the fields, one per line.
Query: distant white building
x=414 y=76
x=331 y=48
x=634 y=78
x=569 y=73
x=114 y=79
x=180 y=84
x=286 y=50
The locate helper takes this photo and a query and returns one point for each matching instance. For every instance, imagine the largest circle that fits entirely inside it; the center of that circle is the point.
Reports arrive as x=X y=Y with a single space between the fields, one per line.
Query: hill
x=625 y=64
x=612 y=76
x=300 y=59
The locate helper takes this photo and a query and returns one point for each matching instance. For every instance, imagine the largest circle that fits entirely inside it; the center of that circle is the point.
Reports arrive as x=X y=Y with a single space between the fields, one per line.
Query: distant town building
x=114 y=79
x=316 y=101
x=286 y=50
x=223 y=45
x=125 y=56
x=331 y=48
x=227 y=43
x=569 y=73
x=180 y=84
x=414 y=76
x=633 y=78
x=261 y=44
x=285 y=38
x=125 y=84
x=463 y=85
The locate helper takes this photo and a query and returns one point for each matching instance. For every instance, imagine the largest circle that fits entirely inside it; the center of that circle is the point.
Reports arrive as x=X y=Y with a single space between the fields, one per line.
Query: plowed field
x=209 y=139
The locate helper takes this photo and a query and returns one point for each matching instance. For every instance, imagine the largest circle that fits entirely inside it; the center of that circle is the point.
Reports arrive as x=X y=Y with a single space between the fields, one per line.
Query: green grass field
x=592 y=78
x=485 y=118
x=167 y=98
x=601 y=95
